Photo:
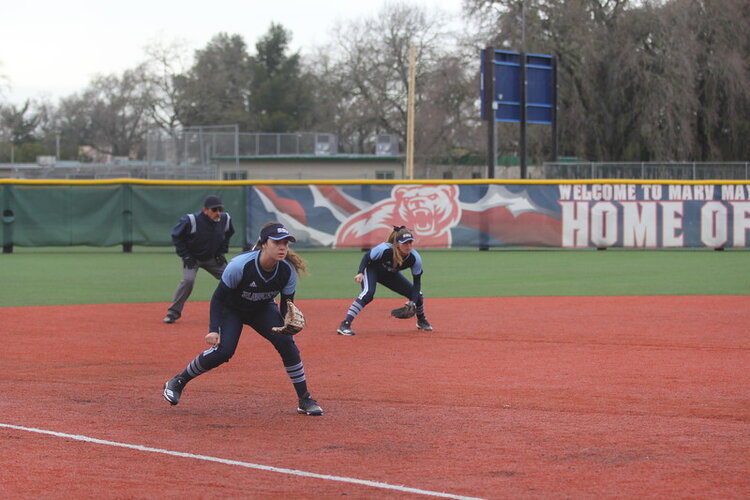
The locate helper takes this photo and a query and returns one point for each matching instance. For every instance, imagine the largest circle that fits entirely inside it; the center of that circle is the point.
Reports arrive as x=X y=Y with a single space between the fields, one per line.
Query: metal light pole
x=523 y=27
x=523 y=83
x=488 y=87
x=410 y=113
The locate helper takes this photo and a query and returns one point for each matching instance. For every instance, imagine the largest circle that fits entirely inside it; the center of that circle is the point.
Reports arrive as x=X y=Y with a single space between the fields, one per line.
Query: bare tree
x=638 y=80
x=448 y=121
x=722 y=83
x=4 y=83
x=645 y=80
x=20 y=127
x=111 y=115
x=369 y=71
x=164 y=63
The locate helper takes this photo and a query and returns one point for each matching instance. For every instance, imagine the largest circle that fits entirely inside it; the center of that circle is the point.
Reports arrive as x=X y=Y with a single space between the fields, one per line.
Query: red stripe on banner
x=290 y=207
x=525 y=229
x=333 y=195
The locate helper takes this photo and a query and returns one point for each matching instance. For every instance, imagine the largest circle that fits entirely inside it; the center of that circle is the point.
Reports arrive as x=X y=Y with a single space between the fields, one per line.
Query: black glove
x=189 y=263
x=407 y=311
x=221 y=260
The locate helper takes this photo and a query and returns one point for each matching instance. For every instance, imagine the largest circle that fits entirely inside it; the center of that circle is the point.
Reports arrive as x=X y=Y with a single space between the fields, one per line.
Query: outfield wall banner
x=353 y=214
x=494 y=215
x=654 y=216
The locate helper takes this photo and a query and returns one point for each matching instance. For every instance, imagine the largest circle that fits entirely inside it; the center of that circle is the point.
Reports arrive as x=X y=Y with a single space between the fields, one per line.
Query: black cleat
x=173 y=389
x=423 y=324
x=171 y=317
x=345 y=329
x=309 y=406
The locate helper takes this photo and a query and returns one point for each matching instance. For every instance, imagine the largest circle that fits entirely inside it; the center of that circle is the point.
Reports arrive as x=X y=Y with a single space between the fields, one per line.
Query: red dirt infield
x=567 y=397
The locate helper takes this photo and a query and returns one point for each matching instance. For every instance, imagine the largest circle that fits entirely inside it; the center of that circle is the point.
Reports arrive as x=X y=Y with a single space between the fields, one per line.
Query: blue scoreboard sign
x=509 y=94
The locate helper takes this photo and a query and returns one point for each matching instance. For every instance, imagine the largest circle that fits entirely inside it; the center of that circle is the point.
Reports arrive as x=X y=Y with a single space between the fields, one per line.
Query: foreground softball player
x=245 y=296
x=383 y=264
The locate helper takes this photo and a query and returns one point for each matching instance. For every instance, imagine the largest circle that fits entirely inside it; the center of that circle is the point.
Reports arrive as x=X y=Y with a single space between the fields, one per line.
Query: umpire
x=201 y=239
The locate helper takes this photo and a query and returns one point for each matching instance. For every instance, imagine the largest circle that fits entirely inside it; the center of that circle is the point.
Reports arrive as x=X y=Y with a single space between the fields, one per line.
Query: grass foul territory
x=101 y=276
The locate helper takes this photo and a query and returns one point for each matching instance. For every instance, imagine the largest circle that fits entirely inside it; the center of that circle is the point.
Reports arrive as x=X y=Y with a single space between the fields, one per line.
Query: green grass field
x=55 y=276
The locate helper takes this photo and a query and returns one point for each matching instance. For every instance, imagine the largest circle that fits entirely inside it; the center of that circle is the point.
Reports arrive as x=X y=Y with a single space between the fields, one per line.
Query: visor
x=276 y=232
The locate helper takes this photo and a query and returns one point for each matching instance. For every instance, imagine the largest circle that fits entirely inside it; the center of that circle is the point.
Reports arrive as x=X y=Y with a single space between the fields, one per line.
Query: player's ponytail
x=298 y=262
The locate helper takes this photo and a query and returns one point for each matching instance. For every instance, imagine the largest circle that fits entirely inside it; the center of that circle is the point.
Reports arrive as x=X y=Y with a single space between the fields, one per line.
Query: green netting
x=156 y=209
x=107 y=215
x=57 y=215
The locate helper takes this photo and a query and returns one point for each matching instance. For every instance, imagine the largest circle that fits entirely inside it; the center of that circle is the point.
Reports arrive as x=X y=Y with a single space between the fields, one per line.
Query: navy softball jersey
x=245 y=286
x=379 y=260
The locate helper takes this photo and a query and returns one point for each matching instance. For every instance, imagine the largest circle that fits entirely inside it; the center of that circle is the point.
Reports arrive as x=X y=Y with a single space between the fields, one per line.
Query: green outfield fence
x=105 y=213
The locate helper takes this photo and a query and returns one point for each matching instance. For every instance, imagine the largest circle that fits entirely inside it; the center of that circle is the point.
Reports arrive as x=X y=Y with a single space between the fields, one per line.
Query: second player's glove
x=221 y=260
x=407 y=311
x=189 y=262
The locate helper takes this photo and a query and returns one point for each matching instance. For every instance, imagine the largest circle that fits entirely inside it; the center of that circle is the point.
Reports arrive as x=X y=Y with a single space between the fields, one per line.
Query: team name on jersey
x=389 y=267
x=258 y=296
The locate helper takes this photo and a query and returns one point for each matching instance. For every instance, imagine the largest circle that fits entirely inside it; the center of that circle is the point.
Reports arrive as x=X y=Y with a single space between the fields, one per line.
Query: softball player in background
x=245 y=296
x=383 y=264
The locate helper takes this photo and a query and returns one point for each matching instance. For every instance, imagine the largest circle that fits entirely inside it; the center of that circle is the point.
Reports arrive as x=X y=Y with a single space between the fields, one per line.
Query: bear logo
x=428 y=210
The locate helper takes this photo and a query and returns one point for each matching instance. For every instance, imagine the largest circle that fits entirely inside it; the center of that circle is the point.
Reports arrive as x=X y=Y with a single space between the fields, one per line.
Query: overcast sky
x=52 y=48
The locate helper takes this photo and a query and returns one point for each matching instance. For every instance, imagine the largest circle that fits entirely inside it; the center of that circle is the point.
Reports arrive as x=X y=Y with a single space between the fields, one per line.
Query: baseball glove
x=407 y=311
x=294 y=321
x=189 y=263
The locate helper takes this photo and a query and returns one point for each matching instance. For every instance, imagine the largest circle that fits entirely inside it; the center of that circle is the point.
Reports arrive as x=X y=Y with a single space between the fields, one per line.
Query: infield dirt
x=582 y=397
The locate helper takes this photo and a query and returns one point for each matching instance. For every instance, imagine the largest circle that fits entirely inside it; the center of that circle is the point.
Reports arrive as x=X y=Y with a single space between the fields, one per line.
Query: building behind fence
x=207 y=153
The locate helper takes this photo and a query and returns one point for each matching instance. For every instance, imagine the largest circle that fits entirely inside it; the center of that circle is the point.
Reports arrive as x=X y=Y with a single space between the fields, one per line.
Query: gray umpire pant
x=185 y=287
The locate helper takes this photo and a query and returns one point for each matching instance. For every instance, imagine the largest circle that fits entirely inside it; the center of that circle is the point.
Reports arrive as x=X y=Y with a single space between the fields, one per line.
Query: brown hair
x=398 y=259
x=298 y=262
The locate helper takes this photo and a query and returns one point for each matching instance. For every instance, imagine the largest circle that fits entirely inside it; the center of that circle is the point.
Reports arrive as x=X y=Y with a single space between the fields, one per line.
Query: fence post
x=127 y=218
x=484 y=229
x=8 y=219
x=247 y=244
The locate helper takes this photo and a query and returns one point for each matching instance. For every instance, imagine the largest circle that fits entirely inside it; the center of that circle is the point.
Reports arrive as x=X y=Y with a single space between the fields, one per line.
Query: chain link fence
x=129 y=170
x=647 y=170
x=203 y=145
x=194 y=152
x=187 y=154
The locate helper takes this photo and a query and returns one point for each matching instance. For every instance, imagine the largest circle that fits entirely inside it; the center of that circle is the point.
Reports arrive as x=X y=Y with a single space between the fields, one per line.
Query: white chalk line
x=249 y=465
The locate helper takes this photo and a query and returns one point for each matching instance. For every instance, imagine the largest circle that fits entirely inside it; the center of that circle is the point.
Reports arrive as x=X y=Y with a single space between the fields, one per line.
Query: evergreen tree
x=279 y=97
x=216 y=89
